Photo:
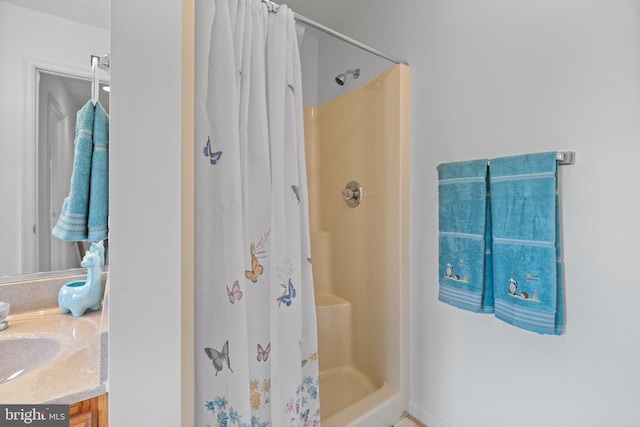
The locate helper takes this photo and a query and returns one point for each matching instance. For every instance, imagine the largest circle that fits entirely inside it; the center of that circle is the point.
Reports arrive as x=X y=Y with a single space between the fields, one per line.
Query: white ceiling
x=90 y=12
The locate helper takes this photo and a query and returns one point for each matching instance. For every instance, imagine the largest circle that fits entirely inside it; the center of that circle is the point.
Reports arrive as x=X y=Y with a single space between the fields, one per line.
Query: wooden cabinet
x=90 y=413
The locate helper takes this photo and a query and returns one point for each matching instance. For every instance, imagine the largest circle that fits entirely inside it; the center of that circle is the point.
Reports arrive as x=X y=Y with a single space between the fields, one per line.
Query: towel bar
x=563 y=158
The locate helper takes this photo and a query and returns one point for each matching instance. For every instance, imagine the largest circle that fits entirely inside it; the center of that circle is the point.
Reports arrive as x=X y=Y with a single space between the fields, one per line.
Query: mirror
x=45 y=52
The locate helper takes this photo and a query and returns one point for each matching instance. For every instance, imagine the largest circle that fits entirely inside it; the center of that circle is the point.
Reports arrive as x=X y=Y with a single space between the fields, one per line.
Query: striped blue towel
x=527 y=269
x=73 y=220
x=84 y=213
x=99 y=193
x=464 y=270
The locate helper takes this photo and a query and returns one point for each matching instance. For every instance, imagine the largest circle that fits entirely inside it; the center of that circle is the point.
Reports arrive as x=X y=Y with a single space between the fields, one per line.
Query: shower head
x=341 y=79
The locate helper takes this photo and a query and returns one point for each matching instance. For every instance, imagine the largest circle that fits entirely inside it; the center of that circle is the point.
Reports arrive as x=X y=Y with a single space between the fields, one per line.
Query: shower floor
x=341 y=387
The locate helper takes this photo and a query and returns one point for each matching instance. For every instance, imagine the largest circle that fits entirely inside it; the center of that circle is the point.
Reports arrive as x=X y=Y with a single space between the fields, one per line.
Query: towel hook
x=95 y=83
x=98 y=63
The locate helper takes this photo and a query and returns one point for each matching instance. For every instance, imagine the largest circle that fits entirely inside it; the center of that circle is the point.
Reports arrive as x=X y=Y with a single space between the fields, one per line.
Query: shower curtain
x=256 y=345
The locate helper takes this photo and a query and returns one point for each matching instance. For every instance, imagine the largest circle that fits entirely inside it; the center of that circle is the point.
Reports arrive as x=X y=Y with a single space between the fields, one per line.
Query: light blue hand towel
x=84 y=213
x=465 y=280
x=527 y=270
x=72 y=222
x=99 y=190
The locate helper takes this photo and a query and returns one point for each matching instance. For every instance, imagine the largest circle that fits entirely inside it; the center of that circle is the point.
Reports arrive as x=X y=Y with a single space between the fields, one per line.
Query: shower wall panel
x=363 y=136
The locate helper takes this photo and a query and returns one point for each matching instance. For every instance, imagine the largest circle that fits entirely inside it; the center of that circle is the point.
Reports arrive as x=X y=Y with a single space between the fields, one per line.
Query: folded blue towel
x=72 y=222
x=99 y=190
x=527 y=273
x=465 y=281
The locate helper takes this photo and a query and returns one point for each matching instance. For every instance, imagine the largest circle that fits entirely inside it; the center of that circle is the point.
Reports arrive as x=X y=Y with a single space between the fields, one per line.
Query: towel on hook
x=84 y=213
x=72 y=221
x=527 y=270
x=464 y=261
x=99 y=189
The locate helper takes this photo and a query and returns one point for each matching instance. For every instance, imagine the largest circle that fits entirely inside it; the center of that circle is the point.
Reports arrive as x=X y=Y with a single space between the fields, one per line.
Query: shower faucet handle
x=348 y=194
x=352 y=194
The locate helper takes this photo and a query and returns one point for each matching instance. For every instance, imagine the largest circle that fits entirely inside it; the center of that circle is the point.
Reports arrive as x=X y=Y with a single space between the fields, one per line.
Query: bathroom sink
x=37 y=341
x=21 y=355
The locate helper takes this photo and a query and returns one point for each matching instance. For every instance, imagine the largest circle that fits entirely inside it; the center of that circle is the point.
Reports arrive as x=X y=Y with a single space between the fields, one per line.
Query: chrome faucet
x=4 y=312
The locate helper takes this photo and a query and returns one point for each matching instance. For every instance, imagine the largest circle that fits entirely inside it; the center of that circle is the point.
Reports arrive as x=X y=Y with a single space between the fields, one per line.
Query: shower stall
x=357 y=150
x=298 y=219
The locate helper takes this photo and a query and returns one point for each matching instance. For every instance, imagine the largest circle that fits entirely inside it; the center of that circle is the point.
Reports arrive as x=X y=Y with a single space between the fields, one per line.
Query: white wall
x=145 y=221
x=324 y=57
x=500 y=77
x=309 y=67
x=26 y=35
x=335 y=57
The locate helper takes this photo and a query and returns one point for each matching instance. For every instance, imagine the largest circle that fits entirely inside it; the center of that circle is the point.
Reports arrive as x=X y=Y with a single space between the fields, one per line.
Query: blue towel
x=84 y=213
x=527 y=271
x=72 y=222
x=464 y=275
x=99 y=190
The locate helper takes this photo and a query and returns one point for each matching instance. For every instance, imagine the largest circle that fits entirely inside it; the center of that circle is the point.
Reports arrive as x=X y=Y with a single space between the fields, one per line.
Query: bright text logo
x=34 y=415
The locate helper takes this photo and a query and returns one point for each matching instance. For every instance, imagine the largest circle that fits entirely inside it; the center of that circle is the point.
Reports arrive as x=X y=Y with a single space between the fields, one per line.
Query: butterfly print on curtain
x=218 y=357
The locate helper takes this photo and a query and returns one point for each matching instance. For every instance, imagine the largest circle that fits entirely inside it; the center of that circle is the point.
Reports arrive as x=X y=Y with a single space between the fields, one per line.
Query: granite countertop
x=74 y=370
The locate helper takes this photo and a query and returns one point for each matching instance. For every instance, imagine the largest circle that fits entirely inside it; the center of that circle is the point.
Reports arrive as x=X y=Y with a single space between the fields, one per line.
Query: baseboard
x=422 y=417
x=407 y=422
x=416 y=422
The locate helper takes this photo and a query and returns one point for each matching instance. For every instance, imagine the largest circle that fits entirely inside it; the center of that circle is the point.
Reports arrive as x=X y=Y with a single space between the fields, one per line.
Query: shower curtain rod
x=340 y=36
x=304 y=20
